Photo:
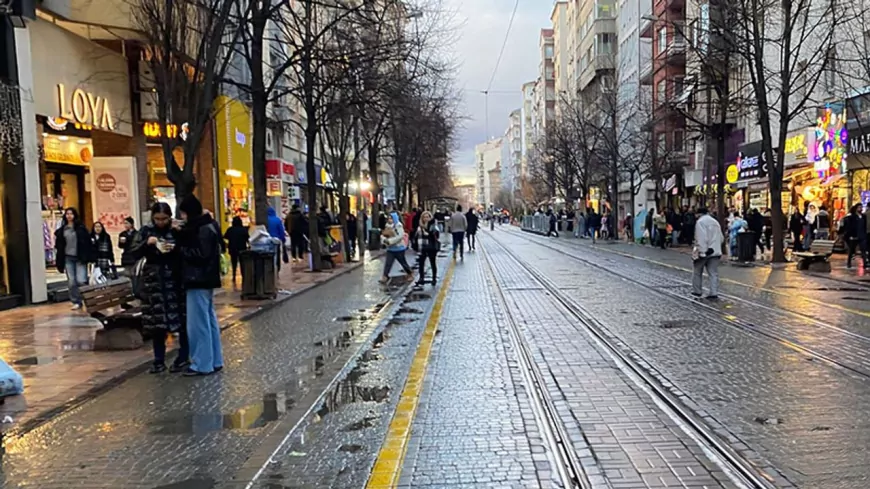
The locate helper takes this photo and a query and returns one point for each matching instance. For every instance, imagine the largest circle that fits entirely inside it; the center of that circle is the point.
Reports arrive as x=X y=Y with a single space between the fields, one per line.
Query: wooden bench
x=115 y=306
x=815 y=260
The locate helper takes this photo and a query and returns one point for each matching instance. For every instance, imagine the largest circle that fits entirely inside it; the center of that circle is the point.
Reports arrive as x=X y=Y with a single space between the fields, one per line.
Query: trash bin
x=746 y=246
x=259 y=275
x=374 y=239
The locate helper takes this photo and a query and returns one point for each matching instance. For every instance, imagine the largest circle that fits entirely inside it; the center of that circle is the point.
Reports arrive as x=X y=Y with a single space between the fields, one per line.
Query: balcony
x=107 y=20
x=675 y=54
x=646 y=25
x=646 y=72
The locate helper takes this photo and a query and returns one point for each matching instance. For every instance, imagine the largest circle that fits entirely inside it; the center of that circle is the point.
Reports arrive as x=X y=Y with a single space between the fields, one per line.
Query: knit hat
x=130 y=220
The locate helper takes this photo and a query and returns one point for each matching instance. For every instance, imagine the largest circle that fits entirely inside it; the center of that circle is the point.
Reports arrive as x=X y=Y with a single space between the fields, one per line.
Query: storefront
x=235 y=185
x=280 y=185
x=81 y=99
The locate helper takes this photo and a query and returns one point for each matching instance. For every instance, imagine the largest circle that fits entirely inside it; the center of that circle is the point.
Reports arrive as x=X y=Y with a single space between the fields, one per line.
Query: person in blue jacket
x=276 y=230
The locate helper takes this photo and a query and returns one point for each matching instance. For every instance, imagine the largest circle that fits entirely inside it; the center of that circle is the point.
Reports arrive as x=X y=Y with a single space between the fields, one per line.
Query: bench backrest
x=822 y=247
x=106 y=296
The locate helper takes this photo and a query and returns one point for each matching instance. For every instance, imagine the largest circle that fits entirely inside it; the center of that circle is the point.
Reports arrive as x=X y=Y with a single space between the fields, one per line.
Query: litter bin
x=259 y=275
x=746 y=246
x=374 y=239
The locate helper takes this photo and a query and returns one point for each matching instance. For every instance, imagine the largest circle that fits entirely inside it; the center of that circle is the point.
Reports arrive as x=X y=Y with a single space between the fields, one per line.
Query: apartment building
x=487 y=157
x=513 y=161
x=545 y=90
x=595 y=46
x=562 y=55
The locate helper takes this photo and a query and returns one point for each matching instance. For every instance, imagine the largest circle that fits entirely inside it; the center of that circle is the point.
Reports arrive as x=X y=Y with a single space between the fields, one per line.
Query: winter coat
x=296 y=224
x=104 y=252
x=324 y=220
x=708 y=237
x=854 y=227
x=162 y=293
x=274 y=225
x=351 y=228
x=84 y=247
x=457 y=223
x=430 y=237
x=397 y=241
x=237 y=238
x=200 y=244
x=126 y=241
x=473 y=222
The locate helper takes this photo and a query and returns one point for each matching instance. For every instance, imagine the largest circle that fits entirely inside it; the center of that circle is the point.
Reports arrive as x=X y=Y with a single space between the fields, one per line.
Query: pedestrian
x=74 y=250
x=823 y=223
x=688 y=232
x=605 y=223
x=126 y=241
x=768 y=228
x=471 y=231
x=352 y=233
x=415 y=223
x=650 y=228
x=570 y=220
x=755 y=223
x=104 y=251
x=237 y=242
x=200 y=243
x=163 y=303
x=393 y=237
x=809 y=228
x=628 y=226
x=428 y=242
x=296 y=224
x=854 y=226
x=661 y=227
x=277 y=231
x=458 y=225
x=737 y=226
x=676 y=223
x=796 y=226
x=551 y=216
x=706 y=254
x=580 y=229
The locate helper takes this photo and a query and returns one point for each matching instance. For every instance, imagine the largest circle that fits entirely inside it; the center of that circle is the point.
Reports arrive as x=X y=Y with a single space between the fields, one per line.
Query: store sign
x=294 y=193
x=859 y=141
x=750 y=167
x=155 y=130
x=273 y=187
x=85 y=108
x=831 y=141
x=113 y=186
x=281 y=170
x=288 y=172
x=669 y=184
x=732 y=174
x=71 y=152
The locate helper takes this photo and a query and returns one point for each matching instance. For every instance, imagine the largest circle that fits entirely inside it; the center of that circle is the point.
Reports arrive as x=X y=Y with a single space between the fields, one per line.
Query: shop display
x=237 y=201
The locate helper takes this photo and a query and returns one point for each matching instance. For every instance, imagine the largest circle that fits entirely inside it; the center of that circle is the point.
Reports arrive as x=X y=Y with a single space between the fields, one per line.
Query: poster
x=113 y=194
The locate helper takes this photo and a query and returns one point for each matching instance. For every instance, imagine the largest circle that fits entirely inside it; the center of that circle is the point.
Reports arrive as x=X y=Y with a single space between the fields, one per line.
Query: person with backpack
x=428 y=242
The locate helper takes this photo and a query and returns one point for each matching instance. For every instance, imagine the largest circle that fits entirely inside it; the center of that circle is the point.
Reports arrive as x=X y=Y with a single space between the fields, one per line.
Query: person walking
x=126 y=241
x=237 y=242
x=755 y=222
x=737 y=226
x=74 y=250
x=352 y=233
x=277 y=231
x=471 y=231
x=809 y=227
x=854 y=226
x=393 y=237
x=415 y=223
x=458 y=225
x=661 y=227
x=823 y=224
x=163 y=305
x=551 y=217
x=649 y=225
x=628 y=226
x=104 y=251
x=688 y=226
x=428 y=242
x=200 y=243
x=706 y=254
x=580 y=227
x=676 y=222
x=796 y=226
x=297 y=226
x=593 y=223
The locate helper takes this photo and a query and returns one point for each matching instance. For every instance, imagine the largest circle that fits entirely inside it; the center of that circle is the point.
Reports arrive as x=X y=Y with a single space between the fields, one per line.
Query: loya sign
x=85 y=108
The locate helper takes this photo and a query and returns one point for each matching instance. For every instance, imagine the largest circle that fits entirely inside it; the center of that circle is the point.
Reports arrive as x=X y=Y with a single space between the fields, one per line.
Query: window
x=663 y=39
x=678 y=141
x=831 y=70
x=548 y=51
x=605 y=9
x=679 y=86
x=661 y=90
x=605 y=43
x=661 y=142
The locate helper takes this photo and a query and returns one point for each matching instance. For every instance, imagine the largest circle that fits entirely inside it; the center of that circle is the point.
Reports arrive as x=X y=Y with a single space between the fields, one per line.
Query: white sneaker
x=76 y=307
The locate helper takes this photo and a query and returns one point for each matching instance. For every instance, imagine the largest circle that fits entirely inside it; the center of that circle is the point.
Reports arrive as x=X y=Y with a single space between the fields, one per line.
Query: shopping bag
x=97 y=277
x=11 y=383
x=225 y=265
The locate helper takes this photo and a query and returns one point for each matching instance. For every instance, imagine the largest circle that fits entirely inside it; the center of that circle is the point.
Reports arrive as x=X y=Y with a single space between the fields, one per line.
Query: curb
x=141 y=365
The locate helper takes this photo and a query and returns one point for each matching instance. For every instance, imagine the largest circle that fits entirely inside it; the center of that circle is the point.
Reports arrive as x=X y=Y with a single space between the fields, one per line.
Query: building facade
x=487 y=156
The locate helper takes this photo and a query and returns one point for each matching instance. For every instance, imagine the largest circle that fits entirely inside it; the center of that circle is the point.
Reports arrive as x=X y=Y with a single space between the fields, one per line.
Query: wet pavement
x=778 y=366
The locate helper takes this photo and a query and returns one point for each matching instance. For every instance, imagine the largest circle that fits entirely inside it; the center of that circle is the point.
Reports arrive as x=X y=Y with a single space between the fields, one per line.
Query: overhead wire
x=503 y=45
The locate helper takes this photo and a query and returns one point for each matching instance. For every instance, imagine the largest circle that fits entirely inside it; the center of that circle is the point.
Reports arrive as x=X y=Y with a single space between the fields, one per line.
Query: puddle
x=362 y=424
x=36 y=361
x=349 y=391
x=249 y=417
x=409 y=310
x=345 y=319
x=350 y=448
x=77 y=345
x=190 y=484
x=341 y=340
x=400 y=321
x=417 y=297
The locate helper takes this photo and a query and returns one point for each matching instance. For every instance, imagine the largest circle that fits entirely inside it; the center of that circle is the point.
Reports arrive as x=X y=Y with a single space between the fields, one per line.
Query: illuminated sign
x=154 y=130
x=831 y=141
x=749 y=167
x=797 y=145
x=85 y=108
x=732 y=174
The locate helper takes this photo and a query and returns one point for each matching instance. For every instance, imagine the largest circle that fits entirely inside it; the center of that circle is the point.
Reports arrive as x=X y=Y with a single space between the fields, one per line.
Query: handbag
x=97 y=277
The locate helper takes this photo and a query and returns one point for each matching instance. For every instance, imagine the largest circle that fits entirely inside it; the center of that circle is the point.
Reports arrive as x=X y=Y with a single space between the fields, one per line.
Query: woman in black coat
x=237 y=242
x=103 y=250
x=162 y=293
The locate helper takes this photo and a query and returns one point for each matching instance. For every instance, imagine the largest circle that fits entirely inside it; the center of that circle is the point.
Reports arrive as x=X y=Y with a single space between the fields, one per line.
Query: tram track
x=742 y=472
x=718 y=315
x=563 y=458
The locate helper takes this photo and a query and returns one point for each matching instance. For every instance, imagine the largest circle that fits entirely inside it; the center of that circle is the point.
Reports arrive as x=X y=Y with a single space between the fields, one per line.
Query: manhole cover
x=677 y=323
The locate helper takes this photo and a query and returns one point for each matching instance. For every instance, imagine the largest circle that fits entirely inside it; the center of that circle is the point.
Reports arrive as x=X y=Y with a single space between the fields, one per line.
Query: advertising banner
x=113 y=194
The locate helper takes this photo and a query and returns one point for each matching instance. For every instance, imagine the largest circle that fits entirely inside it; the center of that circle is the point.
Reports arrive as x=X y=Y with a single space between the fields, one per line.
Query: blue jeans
x=459 y=242
x=203 y=332
x=76 y=276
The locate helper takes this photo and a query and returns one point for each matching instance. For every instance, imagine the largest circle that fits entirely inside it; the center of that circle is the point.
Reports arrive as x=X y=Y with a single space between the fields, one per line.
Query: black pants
x=234 y=261
x=432 y=256
x=471 y=240
x=759 y=242
x=853 y=245
x=297 y=246
x=662 y=237
x=158 y=341
x=798 y=244
x=552 y=231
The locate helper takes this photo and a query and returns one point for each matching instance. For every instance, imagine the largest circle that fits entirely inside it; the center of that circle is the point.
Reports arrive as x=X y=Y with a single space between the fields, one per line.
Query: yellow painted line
x=736 y=282
x=388 y=466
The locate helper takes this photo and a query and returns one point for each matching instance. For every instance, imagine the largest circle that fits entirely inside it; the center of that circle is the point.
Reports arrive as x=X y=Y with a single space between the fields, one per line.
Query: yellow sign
x=796 y=145
x=233 y=128
x=732 y=173
x=85 y=108
x=153 y=130
x=71 y=152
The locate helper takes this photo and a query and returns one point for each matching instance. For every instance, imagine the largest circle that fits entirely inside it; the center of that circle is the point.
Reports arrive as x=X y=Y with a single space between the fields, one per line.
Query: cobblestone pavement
x=156 y=431
x=52 y=348
x=735 y=361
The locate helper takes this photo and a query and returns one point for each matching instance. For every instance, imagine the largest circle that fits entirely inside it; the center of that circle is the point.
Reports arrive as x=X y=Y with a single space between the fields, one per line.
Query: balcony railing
x=646 y=72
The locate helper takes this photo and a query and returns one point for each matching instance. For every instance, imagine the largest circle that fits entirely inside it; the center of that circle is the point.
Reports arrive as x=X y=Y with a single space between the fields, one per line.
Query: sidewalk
x=52 y=347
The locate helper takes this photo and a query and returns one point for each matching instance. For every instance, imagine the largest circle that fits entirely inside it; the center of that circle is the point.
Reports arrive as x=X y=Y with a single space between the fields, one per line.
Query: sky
x=484 y=23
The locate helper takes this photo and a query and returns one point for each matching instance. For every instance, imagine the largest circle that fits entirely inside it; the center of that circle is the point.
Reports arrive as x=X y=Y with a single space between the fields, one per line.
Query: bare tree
x=187 y=45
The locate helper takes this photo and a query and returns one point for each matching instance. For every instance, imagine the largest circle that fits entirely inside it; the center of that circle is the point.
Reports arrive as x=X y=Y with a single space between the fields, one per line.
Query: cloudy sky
x=484 y=23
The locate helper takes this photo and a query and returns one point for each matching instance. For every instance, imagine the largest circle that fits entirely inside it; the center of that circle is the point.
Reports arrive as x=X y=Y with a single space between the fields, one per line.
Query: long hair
x=76 y=219
x=161 y=208
x=102 y=234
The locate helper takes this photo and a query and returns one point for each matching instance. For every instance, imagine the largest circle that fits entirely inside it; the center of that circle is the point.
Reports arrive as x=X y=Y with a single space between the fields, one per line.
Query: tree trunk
x=720 y=176
x=343 y=209
x=258 y=109
x=373 y=174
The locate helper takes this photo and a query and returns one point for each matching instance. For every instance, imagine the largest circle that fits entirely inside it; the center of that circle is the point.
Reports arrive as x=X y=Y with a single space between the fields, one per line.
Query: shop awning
x=832 y=180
